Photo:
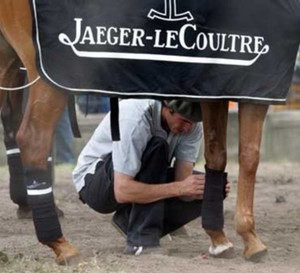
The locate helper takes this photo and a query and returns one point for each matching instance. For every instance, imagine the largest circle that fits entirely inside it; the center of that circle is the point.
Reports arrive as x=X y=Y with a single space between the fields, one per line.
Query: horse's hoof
x=257 y=256
x=65 y=252
x=68 y=256
x=222 y=251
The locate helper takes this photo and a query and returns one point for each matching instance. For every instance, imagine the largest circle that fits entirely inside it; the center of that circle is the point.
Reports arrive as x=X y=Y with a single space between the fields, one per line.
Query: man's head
x=187 y=109
x=181 y=115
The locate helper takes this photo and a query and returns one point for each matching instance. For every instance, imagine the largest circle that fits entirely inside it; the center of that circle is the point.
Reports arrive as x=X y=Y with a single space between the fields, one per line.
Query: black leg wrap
x=41 y=200
x=17 y=187
x=225 y=182
x=212 y=205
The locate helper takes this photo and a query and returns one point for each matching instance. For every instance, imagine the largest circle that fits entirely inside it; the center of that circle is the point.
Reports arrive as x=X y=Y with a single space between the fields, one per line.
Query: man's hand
x=195 y=185
x=227 y=188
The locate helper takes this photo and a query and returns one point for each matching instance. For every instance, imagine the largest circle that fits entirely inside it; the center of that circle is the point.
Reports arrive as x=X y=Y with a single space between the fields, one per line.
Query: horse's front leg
x=215 y=124
x=251 y=119
x=34 y=138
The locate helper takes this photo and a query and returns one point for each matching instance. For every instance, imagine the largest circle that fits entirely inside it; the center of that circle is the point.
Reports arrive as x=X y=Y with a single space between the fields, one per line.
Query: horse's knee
x=249 y=158
x=35 y=147
x=215 y=150
x=216 y=157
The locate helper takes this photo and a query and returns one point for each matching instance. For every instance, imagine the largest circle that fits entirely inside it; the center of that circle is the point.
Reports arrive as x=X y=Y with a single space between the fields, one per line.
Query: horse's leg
x=34 y=137
x=215 y=124
x=11 y=116
x=251 y=119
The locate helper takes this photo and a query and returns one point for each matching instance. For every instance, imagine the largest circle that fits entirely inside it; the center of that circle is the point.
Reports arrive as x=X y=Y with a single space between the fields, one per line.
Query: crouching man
x=147 y=177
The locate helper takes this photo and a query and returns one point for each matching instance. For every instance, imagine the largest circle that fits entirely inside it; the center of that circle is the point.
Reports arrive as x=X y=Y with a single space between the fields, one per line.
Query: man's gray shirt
x=139 y=121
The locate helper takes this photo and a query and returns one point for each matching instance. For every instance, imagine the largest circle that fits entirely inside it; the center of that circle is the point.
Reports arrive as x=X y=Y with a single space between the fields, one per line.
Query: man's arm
x=182 y=170
x=128 y=190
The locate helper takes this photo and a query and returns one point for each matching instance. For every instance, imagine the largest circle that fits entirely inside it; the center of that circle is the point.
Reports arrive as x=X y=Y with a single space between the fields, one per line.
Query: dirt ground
x=277 y=210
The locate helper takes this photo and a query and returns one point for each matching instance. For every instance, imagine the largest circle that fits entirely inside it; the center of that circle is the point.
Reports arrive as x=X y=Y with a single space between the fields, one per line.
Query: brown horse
x=45 y=105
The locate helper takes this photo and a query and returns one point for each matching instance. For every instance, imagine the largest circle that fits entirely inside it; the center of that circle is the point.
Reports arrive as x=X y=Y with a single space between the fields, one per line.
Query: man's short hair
x=190 y=110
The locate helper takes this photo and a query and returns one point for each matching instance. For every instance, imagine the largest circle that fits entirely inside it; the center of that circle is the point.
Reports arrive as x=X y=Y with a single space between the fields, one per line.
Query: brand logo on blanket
x=189 y=42
x=170 y=13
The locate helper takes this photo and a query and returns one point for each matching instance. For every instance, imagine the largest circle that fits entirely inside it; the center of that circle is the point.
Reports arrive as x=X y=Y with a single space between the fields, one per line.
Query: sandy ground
x=277 y=210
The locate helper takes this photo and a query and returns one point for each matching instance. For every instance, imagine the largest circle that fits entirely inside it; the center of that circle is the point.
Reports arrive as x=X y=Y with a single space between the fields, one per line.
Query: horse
x=35 y=131
x=46 y=103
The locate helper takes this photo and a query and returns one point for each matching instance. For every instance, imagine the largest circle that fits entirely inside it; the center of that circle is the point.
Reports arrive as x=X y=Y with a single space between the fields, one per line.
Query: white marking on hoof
x=220 y=249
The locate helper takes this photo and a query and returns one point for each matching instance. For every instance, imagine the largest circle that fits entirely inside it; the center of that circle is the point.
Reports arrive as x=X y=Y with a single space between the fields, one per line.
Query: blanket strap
x=73 y=116
x=114 y=118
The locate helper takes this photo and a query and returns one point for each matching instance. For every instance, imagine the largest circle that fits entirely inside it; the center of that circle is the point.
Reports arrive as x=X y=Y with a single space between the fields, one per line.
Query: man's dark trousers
x=147 y=223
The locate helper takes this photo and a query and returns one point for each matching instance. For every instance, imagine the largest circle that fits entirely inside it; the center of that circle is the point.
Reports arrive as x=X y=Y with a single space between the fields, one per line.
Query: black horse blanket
x=197 y=49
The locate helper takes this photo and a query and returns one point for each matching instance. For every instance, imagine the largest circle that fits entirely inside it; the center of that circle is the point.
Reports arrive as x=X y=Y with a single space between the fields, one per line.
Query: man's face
x=179 y=124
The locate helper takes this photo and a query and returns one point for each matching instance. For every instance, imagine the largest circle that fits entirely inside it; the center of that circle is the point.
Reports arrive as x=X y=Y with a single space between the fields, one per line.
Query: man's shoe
x=138 y=250
x=180 y=232
x=133 y=250
x=120 y=222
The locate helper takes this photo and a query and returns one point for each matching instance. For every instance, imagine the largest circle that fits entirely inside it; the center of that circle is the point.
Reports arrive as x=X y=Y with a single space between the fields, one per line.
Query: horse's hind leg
x=11 y=116
x=215 y=124
x=251 y=119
